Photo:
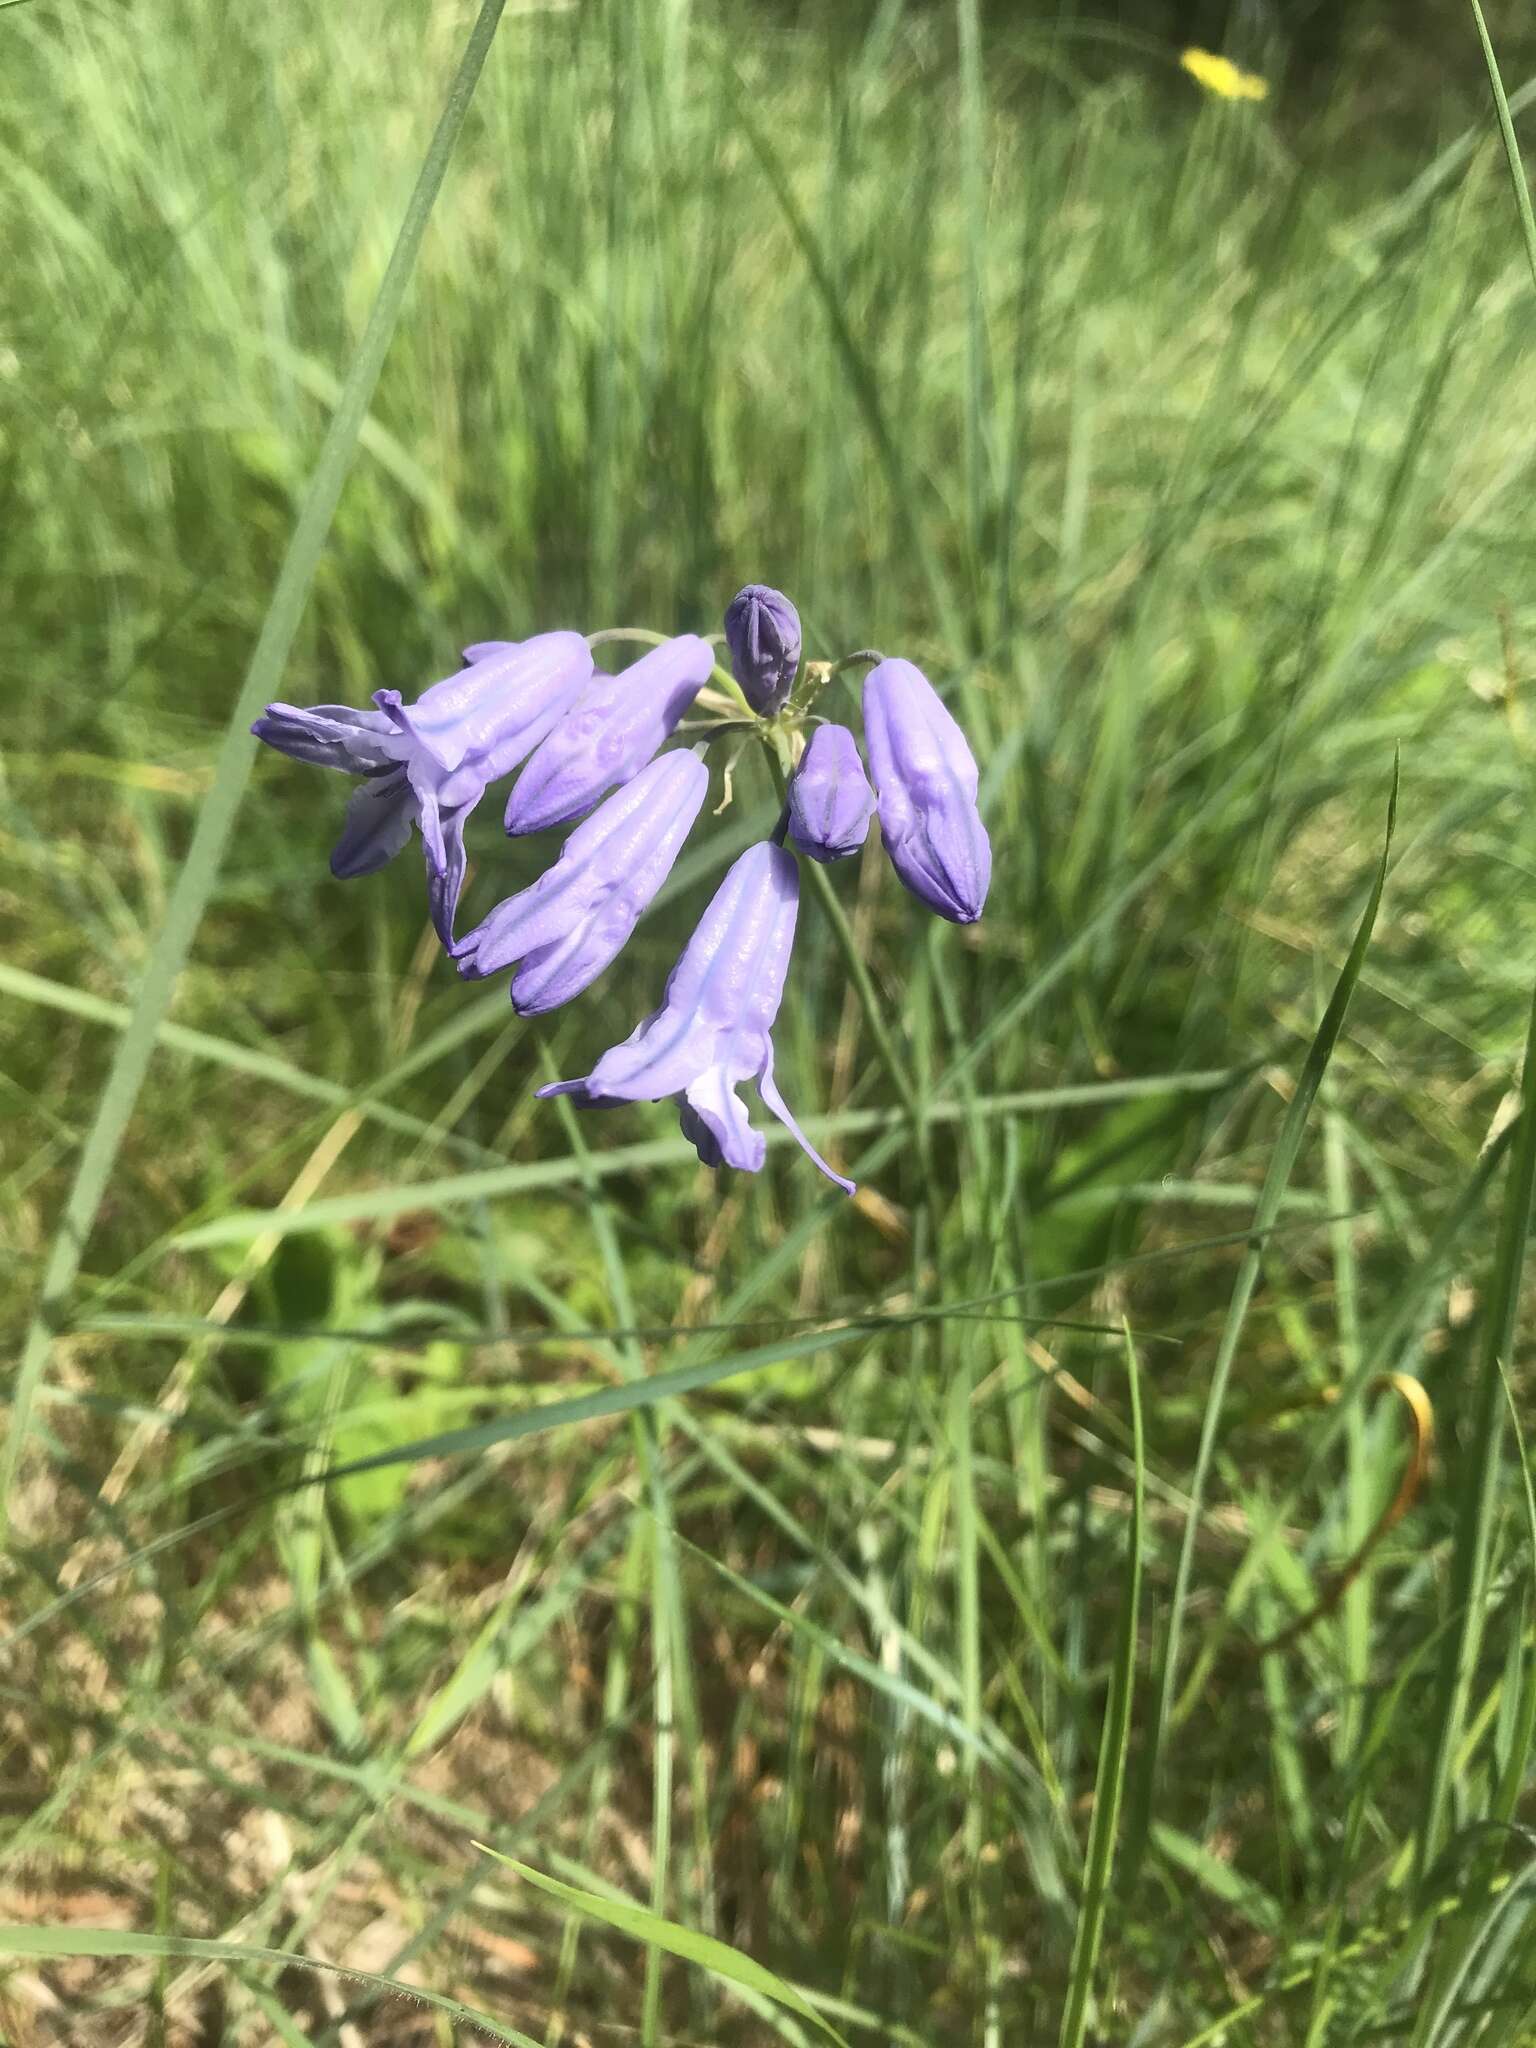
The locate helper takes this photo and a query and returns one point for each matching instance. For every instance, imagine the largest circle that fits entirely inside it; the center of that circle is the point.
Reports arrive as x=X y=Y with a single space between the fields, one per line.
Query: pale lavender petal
x=768 y=1089
x=430 y=762
x=445 y=876
x=429 y=812
x=740 y=950
x=618 y=723
x=727 y=985
x=555 y=973
x=925 y=776
x=328 y=736
x=379 y=819
x=715 y=1121
x=569 y=924
x=712 y=1030
x=579 y=1089
x=830 y=800
x=483 y=720
x=570 y=939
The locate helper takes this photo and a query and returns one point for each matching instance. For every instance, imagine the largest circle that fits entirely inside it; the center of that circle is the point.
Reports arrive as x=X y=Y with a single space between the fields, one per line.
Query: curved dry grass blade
x=216 y=816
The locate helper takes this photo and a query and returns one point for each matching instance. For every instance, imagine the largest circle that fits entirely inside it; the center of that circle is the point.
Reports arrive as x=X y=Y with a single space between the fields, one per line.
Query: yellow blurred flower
x=1222 y=77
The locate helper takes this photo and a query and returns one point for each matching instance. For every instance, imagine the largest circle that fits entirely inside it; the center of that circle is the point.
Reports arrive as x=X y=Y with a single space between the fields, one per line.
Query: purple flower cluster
x=589 y=747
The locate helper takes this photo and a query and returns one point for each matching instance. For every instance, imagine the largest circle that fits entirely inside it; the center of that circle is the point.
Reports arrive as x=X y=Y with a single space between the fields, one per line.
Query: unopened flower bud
x=925 y=777
x=830 y=800
x=762 y=629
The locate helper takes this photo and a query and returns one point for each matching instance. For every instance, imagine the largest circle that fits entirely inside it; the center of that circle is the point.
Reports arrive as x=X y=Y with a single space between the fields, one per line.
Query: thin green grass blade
x=987 y=1743
x=1480 y=1469
x=1517 y=177
x=216 y=815
x=1478 y=1500
x=63 y=1942
x=374 y=1205
x=1394 y=1331
x=973 y=174
x=1512 y=1784
x=1109 y=1781
x=1281 y=1165
x=674 y=1709
x=859 y=372
x=633 y=1397
x=228 y=1052
x=703 y=1950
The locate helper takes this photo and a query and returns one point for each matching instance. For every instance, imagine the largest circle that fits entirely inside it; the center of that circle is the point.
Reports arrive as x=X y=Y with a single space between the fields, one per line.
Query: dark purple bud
x=712 y=1030
x=762 y=630
x=830 y=800
x=576 y=918
x=925 y=776
x=614 y=728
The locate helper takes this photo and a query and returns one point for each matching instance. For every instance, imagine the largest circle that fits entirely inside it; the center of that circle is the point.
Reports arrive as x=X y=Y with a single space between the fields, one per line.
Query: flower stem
x=648 y=638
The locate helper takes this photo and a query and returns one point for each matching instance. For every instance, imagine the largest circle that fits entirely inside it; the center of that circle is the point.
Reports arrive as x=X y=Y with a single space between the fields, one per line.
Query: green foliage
x=415 y=1465
x=702 y=1950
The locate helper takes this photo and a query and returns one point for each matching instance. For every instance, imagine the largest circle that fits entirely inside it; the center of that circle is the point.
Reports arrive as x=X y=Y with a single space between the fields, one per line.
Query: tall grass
x=739 y=1559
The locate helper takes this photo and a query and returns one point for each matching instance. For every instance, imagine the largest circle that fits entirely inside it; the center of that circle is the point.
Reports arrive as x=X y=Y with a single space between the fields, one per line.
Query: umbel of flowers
x=592 y=750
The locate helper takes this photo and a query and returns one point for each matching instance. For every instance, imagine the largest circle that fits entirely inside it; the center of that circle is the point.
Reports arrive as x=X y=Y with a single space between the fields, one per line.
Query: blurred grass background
x=1188 y=444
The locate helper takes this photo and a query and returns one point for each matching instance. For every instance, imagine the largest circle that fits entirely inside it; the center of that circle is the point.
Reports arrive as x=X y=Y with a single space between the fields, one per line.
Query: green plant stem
x=1282 y=1160
x=647 y=637
x=868 y=996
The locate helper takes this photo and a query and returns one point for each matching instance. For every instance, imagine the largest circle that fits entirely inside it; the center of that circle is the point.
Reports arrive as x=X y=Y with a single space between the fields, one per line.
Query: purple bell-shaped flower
x=762 y=630
x=618 y=724
x=925 y=778
x=577 y=917
x=428 y=764
x=712 y=1030
x=830 y=800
